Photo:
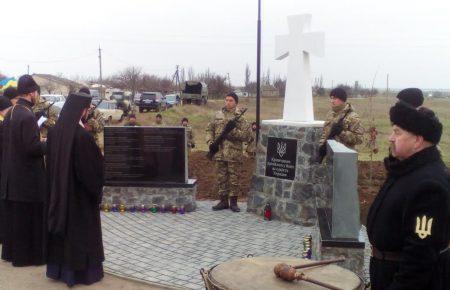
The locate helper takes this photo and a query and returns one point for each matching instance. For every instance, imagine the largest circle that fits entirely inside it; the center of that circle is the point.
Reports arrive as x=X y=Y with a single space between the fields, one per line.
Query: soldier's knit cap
x=412 y=96
x=419 y=121
x=234 y=96
x=339 y=93
x=26 y=85
x=10 y=93
x=4 y=103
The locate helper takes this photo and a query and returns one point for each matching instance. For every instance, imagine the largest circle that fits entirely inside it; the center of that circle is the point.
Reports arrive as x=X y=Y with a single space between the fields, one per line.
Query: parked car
x=110 y=111
x=58 y=107
x=152 y=101
x=53 y=98
x=173 y=100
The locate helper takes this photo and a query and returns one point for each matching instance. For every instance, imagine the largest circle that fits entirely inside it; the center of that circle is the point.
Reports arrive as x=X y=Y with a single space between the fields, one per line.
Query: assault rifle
x=43 y=112
x=214 y=147
x=91 y=111
x=335 y=130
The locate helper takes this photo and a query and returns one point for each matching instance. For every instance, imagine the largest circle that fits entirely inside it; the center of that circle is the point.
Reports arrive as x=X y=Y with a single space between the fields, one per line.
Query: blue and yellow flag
x=8 y=82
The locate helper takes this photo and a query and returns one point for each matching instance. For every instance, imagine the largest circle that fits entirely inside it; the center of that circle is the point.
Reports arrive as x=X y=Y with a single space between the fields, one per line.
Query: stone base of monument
x=326 y=247
x=166 y=194
x=287 y=176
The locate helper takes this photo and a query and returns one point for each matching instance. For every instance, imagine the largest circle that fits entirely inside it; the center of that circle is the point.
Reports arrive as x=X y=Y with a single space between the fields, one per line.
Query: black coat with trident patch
x=409 y=225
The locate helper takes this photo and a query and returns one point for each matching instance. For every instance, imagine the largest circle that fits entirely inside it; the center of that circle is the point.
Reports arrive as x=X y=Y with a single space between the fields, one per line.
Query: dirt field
x=203 y=170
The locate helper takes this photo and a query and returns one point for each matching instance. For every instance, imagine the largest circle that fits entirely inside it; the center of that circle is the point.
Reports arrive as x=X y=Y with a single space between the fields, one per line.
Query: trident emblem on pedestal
x=423 y=227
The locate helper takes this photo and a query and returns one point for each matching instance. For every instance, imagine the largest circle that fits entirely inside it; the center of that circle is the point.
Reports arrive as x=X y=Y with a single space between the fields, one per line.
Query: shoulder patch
x=423 y=226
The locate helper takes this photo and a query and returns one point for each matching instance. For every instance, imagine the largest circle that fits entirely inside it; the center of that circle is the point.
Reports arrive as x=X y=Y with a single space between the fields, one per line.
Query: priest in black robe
x=75 y=183
x=5 y=106
x=23 y=180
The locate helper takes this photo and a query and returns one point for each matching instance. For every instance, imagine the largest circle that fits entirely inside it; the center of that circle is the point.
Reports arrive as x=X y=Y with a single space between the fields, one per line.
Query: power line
x=46 y=61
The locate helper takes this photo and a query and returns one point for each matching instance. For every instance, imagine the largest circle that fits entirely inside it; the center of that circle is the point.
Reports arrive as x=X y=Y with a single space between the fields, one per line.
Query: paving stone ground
x=170 y=249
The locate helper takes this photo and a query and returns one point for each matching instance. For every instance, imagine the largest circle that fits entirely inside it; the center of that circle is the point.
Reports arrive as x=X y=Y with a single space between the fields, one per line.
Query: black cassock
x=23 y=187
x=75 y=247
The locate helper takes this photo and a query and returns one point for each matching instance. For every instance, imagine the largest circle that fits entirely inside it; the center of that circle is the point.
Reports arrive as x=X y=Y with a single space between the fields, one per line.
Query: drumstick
x=302 y=276
x=319 y=263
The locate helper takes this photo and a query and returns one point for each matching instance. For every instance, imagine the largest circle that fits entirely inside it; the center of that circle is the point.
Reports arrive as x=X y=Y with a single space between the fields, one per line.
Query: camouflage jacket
x=190 y=137
x=250 y=147
x=47 y=110
x=96 y=125
x=353 y=132
x=231 y=147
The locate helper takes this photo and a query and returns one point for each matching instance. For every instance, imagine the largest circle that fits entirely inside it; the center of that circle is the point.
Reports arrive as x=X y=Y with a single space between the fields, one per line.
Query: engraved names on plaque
x=145 y=156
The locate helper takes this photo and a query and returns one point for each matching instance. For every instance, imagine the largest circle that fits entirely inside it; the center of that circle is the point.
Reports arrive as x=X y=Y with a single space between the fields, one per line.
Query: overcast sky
x=410 y=40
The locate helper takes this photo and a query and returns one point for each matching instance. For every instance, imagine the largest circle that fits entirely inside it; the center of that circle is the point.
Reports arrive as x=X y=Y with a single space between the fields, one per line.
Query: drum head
x=257 y=273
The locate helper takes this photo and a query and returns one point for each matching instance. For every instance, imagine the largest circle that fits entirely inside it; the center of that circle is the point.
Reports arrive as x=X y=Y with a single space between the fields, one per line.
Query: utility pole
x=100 y=64
x=28 y=69
x=176 y=78
x=258 y=73
x=229 y=81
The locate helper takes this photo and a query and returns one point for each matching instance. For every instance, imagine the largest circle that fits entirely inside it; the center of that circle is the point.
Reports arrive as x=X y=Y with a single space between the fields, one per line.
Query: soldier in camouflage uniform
x=95 y=122
x=189 y=133
x=350 y=132
x=43 y=108
x=228 y=158
x=250 y=147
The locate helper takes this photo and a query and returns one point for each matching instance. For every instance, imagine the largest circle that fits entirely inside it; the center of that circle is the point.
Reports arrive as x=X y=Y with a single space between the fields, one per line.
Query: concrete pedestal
x=175 y=194
x=291 y=200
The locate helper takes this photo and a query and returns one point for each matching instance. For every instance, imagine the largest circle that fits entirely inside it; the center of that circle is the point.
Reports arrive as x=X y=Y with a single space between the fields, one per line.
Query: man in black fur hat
x=23 y=180
x=75 y=174
x=409 y=221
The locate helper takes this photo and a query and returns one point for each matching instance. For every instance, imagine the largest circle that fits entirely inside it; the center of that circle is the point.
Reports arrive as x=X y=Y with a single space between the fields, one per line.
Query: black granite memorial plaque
x=145 y=156
x=281 y=158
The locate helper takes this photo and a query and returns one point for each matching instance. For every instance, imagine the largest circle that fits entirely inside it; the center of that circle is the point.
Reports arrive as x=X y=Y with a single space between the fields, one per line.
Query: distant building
x=269 y=91
x=51 y=84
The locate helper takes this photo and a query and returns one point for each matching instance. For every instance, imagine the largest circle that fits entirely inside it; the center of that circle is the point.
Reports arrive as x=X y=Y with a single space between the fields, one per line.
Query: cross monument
x=298 y=103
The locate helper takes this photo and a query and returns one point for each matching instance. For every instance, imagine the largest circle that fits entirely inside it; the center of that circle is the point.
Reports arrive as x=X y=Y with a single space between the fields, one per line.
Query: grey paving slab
x=170 y=249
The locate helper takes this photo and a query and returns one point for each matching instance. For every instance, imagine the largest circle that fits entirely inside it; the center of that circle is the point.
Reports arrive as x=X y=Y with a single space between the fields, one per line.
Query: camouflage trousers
x=228 y=178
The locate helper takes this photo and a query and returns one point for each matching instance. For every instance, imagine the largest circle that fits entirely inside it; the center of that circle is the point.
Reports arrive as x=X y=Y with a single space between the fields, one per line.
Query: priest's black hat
x=339 y=93
x=412 y=96
x=26 y=85
x=10 y=93
x=85 y=90
x=419 y=121
x=4 y=103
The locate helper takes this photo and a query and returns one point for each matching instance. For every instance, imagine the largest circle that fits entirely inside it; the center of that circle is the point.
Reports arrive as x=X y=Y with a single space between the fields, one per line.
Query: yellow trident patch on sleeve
x=423 y=226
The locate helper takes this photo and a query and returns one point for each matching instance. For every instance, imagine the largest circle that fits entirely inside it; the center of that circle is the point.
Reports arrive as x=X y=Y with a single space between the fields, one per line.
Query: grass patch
x=371 y=112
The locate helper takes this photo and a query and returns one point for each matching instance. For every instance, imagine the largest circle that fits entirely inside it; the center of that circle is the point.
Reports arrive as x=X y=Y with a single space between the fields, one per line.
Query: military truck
x=122 y=102
x=194 y=93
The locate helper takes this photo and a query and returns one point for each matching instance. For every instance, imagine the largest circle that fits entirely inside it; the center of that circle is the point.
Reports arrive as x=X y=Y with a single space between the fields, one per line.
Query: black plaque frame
x=281 y=158
x=145 y=156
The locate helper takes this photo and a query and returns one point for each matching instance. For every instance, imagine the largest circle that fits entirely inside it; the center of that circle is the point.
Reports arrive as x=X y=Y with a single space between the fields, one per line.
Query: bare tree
x=280 y=84
x=191 y=74
x=130 y=78
x=266 y=78
x=247 y=76
x=182 y=75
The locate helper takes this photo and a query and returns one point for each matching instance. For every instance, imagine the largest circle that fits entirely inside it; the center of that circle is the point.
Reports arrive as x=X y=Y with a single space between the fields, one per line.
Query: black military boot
x=223 y=204
x=233 y=204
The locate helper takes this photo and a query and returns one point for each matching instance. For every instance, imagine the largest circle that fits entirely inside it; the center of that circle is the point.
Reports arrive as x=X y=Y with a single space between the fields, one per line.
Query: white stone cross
x=298 y=102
